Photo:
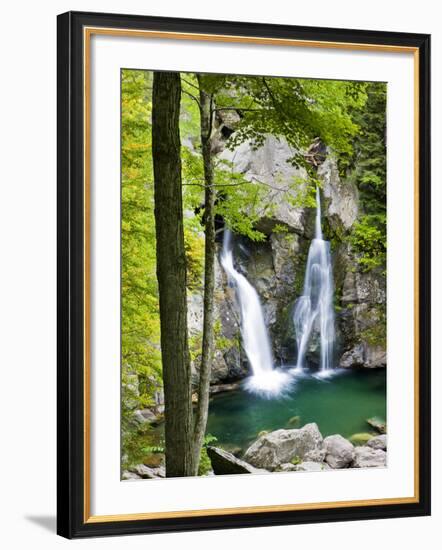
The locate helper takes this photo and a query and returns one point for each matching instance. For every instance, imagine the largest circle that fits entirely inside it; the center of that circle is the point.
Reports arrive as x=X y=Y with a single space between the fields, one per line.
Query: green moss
x=376 y=335
x=360 y=438
x=294 y=421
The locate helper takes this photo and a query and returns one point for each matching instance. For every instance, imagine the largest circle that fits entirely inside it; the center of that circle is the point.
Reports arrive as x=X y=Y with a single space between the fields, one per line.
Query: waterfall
x=255 y=338
x=314 y=309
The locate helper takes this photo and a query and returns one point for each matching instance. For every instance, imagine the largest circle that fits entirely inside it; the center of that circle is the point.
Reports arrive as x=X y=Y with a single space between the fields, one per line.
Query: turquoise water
x=340 y=404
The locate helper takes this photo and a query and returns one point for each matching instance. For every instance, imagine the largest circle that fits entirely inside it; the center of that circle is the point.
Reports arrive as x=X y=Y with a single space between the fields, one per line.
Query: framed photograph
x=243 y=274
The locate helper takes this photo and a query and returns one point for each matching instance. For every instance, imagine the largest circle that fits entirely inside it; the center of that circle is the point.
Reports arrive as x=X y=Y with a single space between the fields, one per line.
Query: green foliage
x=376 y=335
x=297 y=109
x=140 y=327
x=368 y=239
x=296 y=460
x=154 y=449
x=194 y=246
x=369 y=170
x=205 y=465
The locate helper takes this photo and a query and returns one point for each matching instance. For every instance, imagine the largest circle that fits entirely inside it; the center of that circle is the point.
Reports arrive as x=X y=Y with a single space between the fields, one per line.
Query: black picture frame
x=72 y=521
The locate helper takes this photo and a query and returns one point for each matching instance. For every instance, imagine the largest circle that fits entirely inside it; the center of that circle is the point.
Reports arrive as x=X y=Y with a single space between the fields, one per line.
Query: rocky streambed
x=296 y=450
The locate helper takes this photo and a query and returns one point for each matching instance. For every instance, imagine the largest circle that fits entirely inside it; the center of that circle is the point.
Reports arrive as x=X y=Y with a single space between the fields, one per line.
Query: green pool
x=340 y=404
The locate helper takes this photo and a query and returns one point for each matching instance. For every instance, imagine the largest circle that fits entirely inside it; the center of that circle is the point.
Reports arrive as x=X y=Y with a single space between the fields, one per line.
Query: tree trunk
x=209 y=272
x=171 y=274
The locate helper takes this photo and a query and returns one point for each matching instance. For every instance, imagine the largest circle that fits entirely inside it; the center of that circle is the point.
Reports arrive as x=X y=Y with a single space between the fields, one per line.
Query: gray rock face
x=364 y=355
x=281 y=446
x=363 y=287
x=366 y=457
x=362 y=322
x=269 y=164
x=378 y=442
x=353 y=357
x=339 y=452
x=341 y=197
x=224 y=463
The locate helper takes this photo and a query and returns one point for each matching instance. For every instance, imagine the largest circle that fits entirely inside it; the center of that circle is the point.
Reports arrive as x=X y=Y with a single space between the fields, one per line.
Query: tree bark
x=206 y=112
x=171 y=274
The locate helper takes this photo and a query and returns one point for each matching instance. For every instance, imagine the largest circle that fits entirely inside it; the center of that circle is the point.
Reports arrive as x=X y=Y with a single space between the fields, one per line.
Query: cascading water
x=255 y=338
x=314 y=309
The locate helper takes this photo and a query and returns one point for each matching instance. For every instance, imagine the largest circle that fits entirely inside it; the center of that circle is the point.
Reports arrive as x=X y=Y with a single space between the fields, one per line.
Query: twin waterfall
x=313 y=313
x=255 y=338
x=314 y=309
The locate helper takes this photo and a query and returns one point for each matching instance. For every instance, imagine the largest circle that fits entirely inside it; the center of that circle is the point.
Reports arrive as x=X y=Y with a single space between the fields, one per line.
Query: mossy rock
x=294 y=421
x=296 y=460
x=378 y=424
x=360 y=438
x=262 y=433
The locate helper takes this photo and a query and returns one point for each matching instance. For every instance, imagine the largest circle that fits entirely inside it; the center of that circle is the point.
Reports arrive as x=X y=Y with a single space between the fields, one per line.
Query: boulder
x=129 y=476
x=281 y=446
x=315 y=455
x=310 y=466
x=145 y=415
x=353 y=357
x=378 y=442
x=224 y=463
x=145 y=472
x=339 y=452
x=287 y=467
x=366 y=457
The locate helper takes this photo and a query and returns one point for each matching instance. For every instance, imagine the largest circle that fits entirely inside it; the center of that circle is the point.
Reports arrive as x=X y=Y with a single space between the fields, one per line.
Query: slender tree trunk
x=171 y=274
x=209 y=272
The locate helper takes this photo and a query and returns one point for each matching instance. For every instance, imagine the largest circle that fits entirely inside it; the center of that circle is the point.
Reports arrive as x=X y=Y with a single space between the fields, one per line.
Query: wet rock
x=366 y=457
x=339 y=452
x=353 y=357
x=225 y=463
x=281 y=446
x=364 y=355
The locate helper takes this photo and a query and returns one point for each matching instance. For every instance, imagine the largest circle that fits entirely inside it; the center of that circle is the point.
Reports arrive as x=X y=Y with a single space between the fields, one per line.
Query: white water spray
x=314 y=309
x=255 y=339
